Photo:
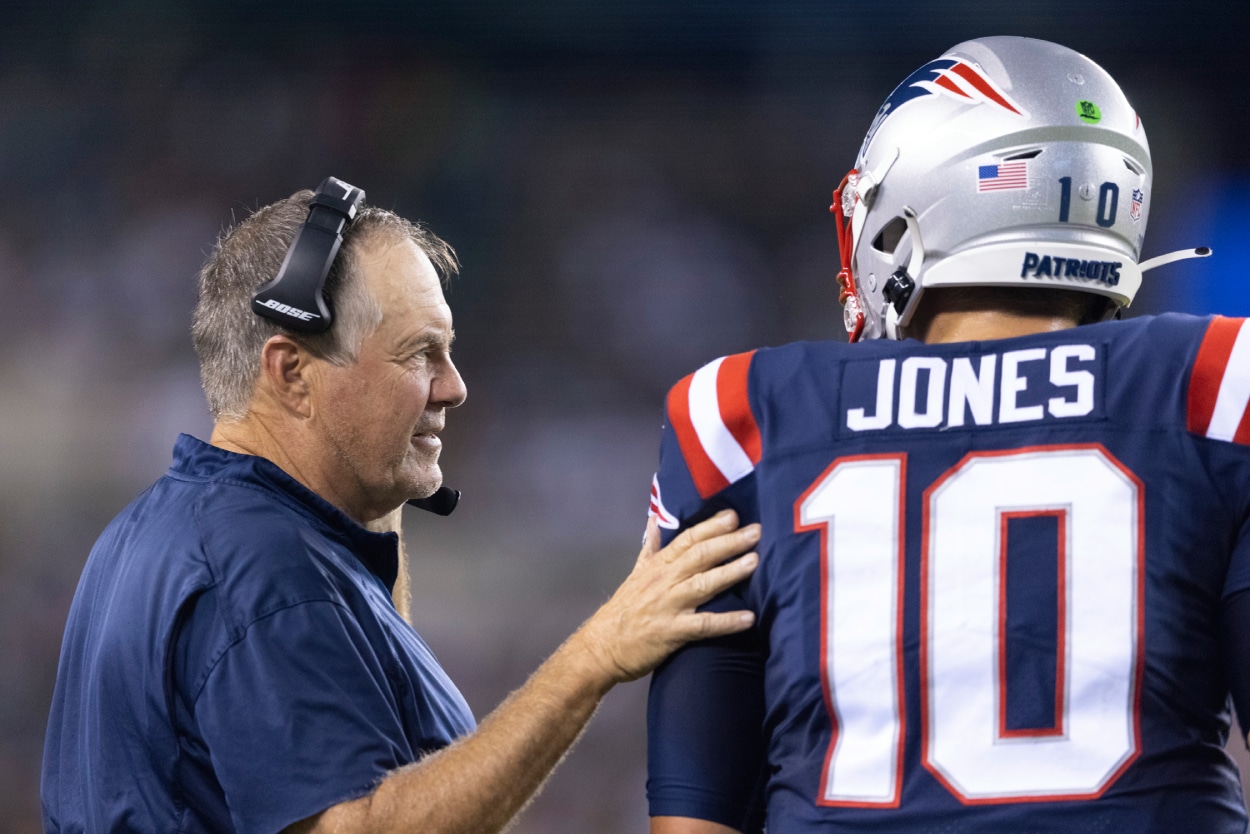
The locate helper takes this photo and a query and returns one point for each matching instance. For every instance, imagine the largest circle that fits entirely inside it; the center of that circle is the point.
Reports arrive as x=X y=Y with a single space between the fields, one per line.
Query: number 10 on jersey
x=857 y=507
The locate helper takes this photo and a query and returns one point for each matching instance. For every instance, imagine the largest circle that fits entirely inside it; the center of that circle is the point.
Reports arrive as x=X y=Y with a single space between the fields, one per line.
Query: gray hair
x=228 y=336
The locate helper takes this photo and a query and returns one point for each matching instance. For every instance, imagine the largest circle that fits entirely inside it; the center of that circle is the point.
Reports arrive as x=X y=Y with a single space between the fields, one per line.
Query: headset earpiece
x=295 y=298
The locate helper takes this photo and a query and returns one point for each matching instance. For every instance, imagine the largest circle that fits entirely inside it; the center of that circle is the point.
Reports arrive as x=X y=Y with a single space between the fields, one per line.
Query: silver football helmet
x=1006 y=162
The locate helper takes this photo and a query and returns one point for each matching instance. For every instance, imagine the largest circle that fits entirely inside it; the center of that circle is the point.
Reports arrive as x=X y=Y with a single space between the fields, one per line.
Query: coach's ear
x=285 y=375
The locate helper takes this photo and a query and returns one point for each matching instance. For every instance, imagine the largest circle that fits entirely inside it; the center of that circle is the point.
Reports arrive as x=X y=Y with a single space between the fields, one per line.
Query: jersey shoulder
x=1215 y=353
x=718 y=416
x=1171 y=371
x=710 y=416
x=266 y=556
x=1167 y=372
x=1178 y=371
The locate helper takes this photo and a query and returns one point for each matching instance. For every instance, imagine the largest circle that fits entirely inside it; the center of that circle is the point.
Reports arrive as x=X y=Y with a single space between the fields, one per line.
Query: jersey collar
x=199 y=461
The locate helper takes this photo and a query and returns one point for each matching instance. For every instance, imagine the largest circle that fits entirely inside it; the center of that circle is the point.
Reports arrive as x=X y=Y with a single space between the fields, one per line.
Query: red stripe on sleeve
x=1242 y=435
x=708 y=480
x=1204 y=381
x=968 y=74
x=735 y=406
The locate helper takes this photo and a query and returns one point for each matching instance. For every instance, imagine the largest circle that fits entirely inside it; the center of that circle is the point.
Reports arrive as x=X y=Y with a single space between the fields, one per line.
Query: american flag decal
x=1005 y=176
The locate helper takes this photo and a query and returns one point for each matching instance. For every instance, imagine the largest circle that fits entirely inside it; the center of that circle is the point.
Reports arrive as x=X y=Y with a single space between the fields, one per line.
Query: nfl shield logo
x=1134 y=209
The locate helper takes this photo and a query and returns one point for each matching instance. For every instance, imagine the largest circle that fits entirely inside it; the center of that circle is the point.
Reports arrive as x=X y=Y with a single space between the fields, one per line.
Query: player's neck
x=986 y=325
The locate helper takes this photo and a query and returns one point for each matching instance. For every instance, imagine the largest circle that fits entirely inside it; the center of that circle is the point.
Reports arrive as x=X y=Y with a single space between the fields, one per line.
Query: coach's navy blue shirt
x=233 y=661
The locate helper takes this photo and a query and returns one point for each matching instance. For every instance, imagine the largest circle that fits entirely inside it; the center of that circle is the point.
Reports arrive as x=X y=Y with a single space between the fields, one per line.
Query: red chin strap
x=847 y=291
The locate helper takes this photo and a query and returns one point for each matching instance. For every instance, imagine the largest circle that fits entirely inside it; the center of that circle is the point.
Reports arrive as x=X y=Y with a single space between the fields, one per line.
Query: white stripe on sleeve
x=720 y=445
x=1230 y=403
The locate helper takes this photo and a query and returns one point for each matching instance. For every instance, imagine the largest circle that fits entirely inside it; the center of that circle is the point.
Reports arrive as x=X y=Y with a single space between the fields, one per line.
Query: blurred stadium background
x=633 y=188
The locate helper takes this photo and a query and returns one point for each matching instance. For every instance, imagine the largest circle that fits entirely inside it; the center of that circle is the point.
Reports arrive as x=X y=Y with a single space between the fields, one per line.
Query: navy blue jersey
x=990 y=584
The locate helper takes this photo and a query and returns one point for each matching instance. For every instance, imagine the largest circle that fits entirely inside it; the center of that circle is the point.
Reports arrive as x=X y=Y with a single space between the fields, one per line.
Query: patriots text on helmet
x=1046 y=266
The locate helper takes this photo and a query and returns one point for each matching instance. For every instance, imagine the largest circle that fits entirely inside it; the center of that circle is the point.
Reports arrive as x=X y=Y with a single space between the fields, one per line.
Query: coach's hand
x=653 y=612
x=481 y=781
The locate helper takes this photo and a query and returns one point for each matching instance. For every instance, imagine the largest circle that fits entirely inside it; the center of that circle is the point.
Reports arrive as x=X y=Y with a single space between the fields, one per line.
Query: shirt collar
x=196 y=460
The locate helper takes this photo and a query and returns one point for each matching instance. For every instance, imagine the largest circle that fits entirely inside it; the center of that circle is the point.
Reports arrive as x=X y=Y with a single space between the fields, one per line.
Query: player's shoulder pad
x=710 y=413
x=1218 y=399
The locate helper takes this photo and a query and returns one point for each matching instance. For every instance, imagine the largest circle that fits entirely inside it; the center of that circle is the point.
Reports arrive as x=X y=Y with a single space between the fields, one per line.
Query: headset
x=296 y=298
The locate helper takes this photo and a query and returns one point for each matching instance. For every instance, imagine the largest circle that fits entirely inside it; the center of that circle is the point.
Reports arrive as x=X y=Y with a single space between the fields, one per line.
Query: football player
x=1004 y=579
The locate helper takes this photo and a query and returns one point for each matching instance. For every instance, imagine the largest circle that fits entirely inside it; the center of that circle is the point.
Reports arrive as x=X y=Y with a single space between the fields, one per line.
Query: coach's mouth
x=426 y=437
x=428 y=442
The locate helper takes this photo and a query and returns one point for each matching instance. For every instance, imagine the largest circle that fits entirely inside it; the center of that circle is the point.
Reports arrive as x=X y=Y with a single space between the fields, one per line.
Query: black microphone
x=442 y=502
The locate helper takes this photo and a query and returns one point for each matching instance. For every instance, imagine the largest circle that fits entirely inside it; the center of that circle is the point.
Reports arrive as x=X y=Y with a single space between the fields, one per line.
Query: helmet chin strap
x=902 y=290
x=891 y=323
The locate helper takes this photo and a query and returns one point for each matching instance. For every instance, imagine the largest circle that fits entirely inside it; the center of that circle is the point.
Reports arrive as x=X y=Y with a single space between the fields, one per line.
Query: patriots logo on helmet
x=949 y=77
x=953 y=78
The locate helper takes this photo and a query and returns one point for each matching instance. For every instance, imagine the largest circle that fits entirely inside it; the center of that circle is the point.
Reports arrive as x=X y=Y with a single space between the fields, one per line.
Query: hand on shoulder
x=653 y=612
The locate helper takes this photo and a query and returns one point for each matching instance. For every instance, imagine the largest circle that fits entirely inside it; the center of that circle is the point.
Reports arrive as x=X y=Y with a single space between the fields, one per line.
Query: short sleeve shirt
x=233 y=661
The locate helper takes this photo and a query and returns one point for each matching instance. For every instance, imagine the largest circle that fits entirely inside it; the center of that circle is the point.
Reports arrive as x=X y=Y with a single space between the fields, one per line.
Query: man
x=1000 y=556
x=233 y=660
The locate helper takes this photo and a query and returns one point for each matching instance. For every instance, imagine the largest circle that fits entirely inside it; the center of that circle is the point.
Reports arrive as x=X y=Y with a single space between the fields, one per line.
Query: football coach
x=234 y=659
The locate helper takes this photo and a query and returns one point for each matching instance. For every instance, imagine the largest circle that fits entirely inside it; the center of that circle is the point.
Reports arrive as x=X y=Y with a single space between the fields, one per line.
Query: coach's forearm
x=479 y=783
x=482 y=781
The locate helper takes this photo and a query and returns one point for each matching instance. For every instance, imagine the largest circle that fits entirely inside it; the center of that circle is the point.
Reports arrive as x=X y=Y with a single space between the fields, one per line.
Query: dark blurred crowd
x=631 y=193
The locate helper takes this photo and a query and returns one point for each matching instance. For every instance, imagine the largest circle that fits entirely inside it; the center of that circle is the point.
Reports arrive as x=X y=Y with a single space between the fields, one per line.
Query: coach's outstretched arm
x=478 y=784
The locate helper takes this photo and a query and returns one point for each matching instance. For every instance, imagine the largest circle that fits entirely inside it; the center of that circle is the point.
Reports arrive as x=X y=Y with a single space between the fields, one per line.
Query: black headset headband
x=295 y=298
